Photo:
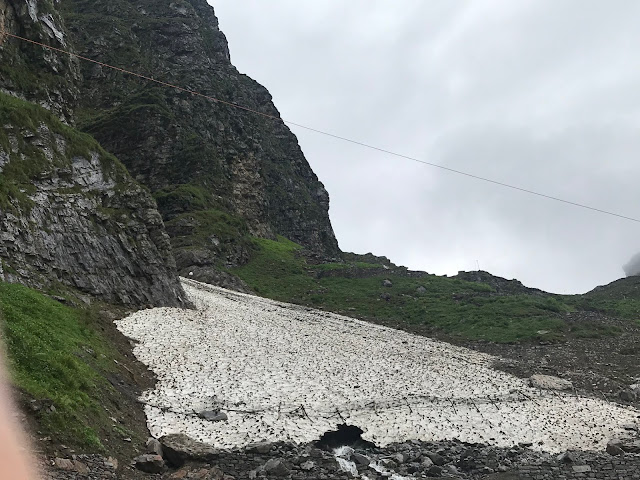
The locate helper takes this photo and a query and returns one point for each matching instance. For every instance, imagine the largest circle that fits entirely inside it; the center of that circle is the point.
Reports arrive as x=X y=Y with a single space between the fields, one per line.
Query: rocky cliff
x=70 y=214
x=34 y=73
x=220 y=175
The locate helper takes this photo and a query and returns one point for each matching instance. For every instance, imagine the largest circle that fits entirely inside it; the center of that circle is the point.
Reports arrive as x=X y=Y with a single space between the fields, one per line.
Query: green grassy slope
x=620 y=298
x=469 y=310
x=60 y=362
x=48 y=347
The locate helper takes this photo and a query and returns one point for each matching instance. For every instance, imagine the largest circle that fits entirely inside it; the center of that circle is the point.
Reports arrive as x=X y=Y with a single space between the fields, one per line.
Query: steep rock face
x=31 y=72
x=71 y=215
x=204 y=160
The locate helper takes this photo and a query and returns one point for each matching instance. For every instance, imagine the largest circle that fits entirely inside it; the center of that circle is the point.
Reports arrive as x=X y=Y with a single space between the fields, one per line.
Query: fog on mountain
x=632 y=267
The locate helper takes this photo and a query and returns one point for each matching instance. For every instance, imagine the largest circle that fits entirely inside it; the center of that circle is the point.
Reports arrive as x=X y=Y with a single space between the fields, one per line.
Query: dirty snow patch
x=284 y=372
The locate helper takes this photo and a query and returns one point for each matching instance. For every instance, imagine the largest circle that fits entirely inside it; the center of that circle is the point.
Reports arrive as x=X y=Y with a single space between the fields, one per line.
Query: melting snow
x=284 y=372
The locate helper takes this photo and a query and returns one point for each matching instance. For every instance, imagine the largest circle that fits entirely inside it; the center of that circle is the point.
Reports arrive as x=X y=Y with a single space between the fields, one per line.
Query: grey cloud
x=541 y=94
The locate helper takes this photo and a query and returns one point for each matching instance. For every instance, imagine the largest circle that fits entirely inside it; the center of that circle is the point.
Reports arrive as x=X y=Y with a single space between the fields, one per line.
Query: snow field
x=284 y=372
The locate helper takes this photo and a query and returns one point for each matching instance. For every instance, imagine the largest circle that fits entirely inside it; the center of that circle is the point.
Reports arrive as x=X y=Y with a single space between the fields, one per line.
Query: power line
x=4 y=34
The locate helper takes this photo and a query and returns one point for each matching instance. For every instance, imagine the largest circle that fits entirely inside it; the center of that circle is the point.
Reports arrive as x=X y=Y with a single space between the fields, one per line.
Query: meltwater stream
x=343 y=457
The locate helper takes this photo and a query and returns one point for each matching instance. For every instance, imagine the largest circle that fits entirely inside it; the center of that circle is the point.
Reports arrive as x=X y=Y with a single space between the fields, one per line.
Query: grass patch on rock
x=211 y=227
x=24 y=160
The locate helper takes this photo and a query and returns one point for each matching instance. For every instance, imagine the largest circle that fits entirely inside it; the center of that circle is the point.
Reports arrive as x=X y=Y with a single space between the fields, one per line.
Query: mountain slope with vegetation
x=218 y=173
x=469 y=306
x=73 y=373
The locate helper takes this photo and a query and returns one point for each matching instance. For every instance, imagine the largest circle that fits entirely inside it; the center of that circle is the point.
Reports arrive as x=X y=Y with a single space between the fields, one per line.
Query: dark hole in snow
x=346 y=435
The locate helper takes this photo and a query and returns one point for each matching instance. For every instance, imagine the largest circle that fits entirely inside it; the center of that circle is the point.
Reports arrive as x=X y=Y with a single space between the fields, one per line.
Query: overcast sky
x=541 y=94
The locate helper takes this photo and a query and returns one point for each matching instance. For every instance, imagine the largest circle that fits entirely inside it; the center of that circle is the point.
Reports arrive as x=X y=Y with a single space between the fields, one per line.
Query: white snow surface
x=285 y=372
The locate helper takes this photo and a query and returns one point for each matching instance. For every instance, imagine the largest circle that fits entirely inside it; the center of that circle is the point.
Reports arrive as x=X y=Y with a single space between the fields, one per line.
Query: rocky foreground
x=178 y=457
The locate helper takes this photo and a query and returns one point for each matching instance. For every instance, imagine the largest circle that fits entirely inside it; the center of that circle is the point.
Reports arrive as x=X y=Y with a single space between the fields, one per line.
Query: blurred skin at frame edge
x=17 y=461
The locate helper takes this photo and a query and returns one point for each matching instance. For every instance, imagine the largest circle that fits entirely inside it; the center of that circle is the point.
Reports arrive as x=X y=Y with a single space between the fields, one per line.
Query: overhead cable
x=4 y=34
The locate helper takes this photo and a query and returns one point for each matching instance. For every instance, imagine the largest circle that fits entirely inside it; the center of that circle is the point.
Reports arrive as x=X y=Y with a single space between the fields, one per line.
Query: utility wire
x=4 y=34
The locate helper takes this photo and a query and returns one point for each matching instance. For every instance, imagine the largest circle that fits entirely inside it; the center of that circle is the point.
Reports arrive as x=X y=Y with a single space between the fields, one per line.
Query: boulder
x=64 y=464
x=566 y=457
x=213 y=416
x=71 y=466
x=80 y=467
x=316 y=453
x=178 y=448
x=215 y=473
x=502 y=476
x=581 y=468
x=149 y=463
x=434 y=471
x=438 y=460
x=111 y=463
x=421 y=290
x=399 y=458
x=308 y=465
x=153 y=446
x=628 y=395
x=180 y=474
x=549 y=382
x=614 y=447
x=277 y=467
x=361 y=459
x=344 y=452
x=387 y=283
x=427 y=463
x=259 y=447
